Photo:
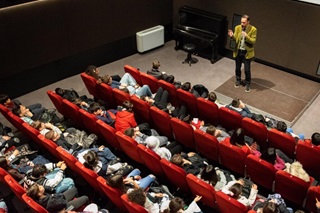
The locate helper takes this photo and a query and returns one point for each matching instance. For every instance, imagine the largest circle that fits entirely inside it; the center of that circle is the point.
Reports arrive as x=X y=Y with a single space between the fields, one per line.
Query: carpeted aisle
x=277 y=93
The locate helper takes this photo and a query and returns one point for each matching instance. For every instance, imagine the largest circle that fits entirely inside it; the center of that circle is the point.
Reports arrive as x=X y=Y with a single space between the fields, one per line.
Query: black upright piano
x=208 y=31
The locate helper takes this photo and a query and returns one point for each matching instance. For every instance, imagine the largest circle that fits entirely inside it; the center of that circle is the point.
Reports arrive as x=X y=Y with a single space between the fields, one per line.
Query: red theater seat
x=132 y=207
x=151 y=160
x=35 y=207
x=226 y=204
x=309 y=156
x=57 y=101
x=141 y=109
x=171 y=90
x=189 y=100
x=120 y=96
x=104 y=92
x=109 y=134
x=257 y=131
x=207 y=145
x=149 y=80
x=90 y=83
x=208 y=111
x=229 y=119
x=161 y=121
x=183 y=133
x=129 y=146
x=282 y=141
x=134 y=72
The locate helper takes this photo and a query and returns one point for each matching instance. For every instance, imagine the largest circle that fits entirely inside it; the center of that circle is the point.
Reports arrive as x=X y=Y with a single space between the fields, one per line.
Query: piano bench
x=190 y=48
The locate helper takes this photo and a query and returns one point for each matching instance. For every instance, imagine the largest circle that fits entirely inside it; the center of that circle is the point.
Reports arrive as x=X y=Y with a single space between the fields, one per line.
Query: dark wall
x=288 y=31
x=63 y=36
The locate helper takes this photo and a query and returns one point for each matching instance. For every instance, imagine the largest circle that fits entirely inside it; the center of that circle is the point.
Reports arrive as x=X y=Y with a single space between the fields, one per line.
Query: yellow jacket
x=250 y=40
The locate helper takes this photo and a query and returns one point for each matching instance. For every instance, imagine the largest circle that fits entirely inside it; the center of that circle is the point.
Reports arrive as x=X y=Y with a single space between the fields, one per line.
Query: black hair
x=3 y=98
x=269 y=155
x=315 y=138
x=237 y=138
x=282 y=126
x=186 y=86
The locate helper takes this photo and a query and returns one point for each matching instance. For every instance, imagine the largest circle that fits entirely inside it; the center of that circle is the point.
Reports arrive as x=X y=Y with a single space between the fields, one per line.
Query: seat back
x=309 y=156
x=69 y=159
x=232 y=157
x=50 y=146
x=282 y=141
x=199 y=187
x=90 y=83
x=171 y=90
x=109 y=134
x=208 y=111
x=72 y=112
x=112 y=193
x=31 y=132
x=90 y=122
x=207 y=145
x=256 y=130
x=189 y=100
x=104 y=92
x=3 y=173
x=132 y=207
x=151 y=160
x=16 y=121
x=141 y=109
x=175 y=174
x=312 y=194
x=183 y=133
x=4 y=111
x=35 y=207
x=229 y=119
x=16 y=188
x=134 y=72
x=89 y=175
x=149 y=80
x=120 y=96
x=161 y=121
x=291 y=188
x=57 y=101
x=226 y=204
x=129 y=146
x=261 y=172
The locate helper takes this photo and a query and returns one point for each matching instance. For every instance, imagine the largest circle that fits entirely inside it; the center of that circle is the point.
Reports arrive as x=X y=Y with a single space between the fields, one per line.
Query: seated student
x=141 y=138
x=132 y=181
x=191 y=162
x=282 y=127
x=215 y=176
x=179 y=112
x=177 y=205
x=125 y=117
x=238 y=106
x=195 y=123
x=139 y=197
x=315 y=139
x=155 y=72
x=61 y=141
x=296 y=169
x=106 y=116
x=197 y=90
x=50 y=176
x=213 y=98
x=234 y=189
x=276 y=157
x=94 y=72
x=5 y=164
x=54 y=203
x=128 y=82
x=166 y=152
x=45 y=127
x=160 y=100
x=238 y=138
x=271 y=206
x=218 y=132
x=101 y=160
x=11 y=104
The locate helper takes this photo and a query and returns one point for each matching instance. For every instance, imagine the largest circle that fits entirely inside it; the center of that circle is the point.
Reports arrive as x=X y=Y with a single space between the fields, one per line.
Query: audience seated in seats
x=282 y=127
x=101 y=160
x=128 y=82
x=94 y=72
x=213 y=98
x=141 y=138
x=143 y=199
x=238 y=106
x=315 y=139
x=155 y=72
x=57 y=202
x=244 y=142
x=50 y=176
x=132 y=181
x=177 y=205
x=197 y=90
x=19 y=161
x=235 y=189
x=45 y=127
x=125 y=117
x=273 y=204
x=61 y=141
x=180 y=112
x=276 y=157
x=106 y=116
x=218 y=132
x=191 y=162
x=5 y=100
x=166 y=152
x=7 y=139
x=195 y=123
x=297 y=170
x=218 y=178
x=160 y=100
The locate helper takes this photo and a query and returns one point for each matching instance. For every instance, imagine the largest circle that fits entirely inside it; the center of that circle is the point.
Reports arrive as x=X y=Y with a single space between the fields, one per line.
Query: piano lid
x=199 y=19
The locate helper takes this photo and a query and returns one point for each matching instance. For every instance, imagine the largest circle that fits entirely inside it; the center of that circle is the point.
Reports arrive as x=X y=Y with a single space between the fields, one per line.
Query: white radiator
x=150 y=38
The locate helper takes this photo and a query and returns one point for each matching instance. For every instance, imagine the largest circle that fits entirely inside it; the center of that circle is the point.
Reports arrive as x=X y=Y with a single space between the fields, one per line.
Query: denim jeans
x=143 y=182
x=128 y=79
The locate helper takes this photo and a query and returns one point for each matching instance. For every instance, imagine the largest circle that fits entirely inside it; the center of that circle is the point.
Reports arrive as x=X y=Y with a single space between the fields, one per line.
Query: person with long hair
x=177 y=205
